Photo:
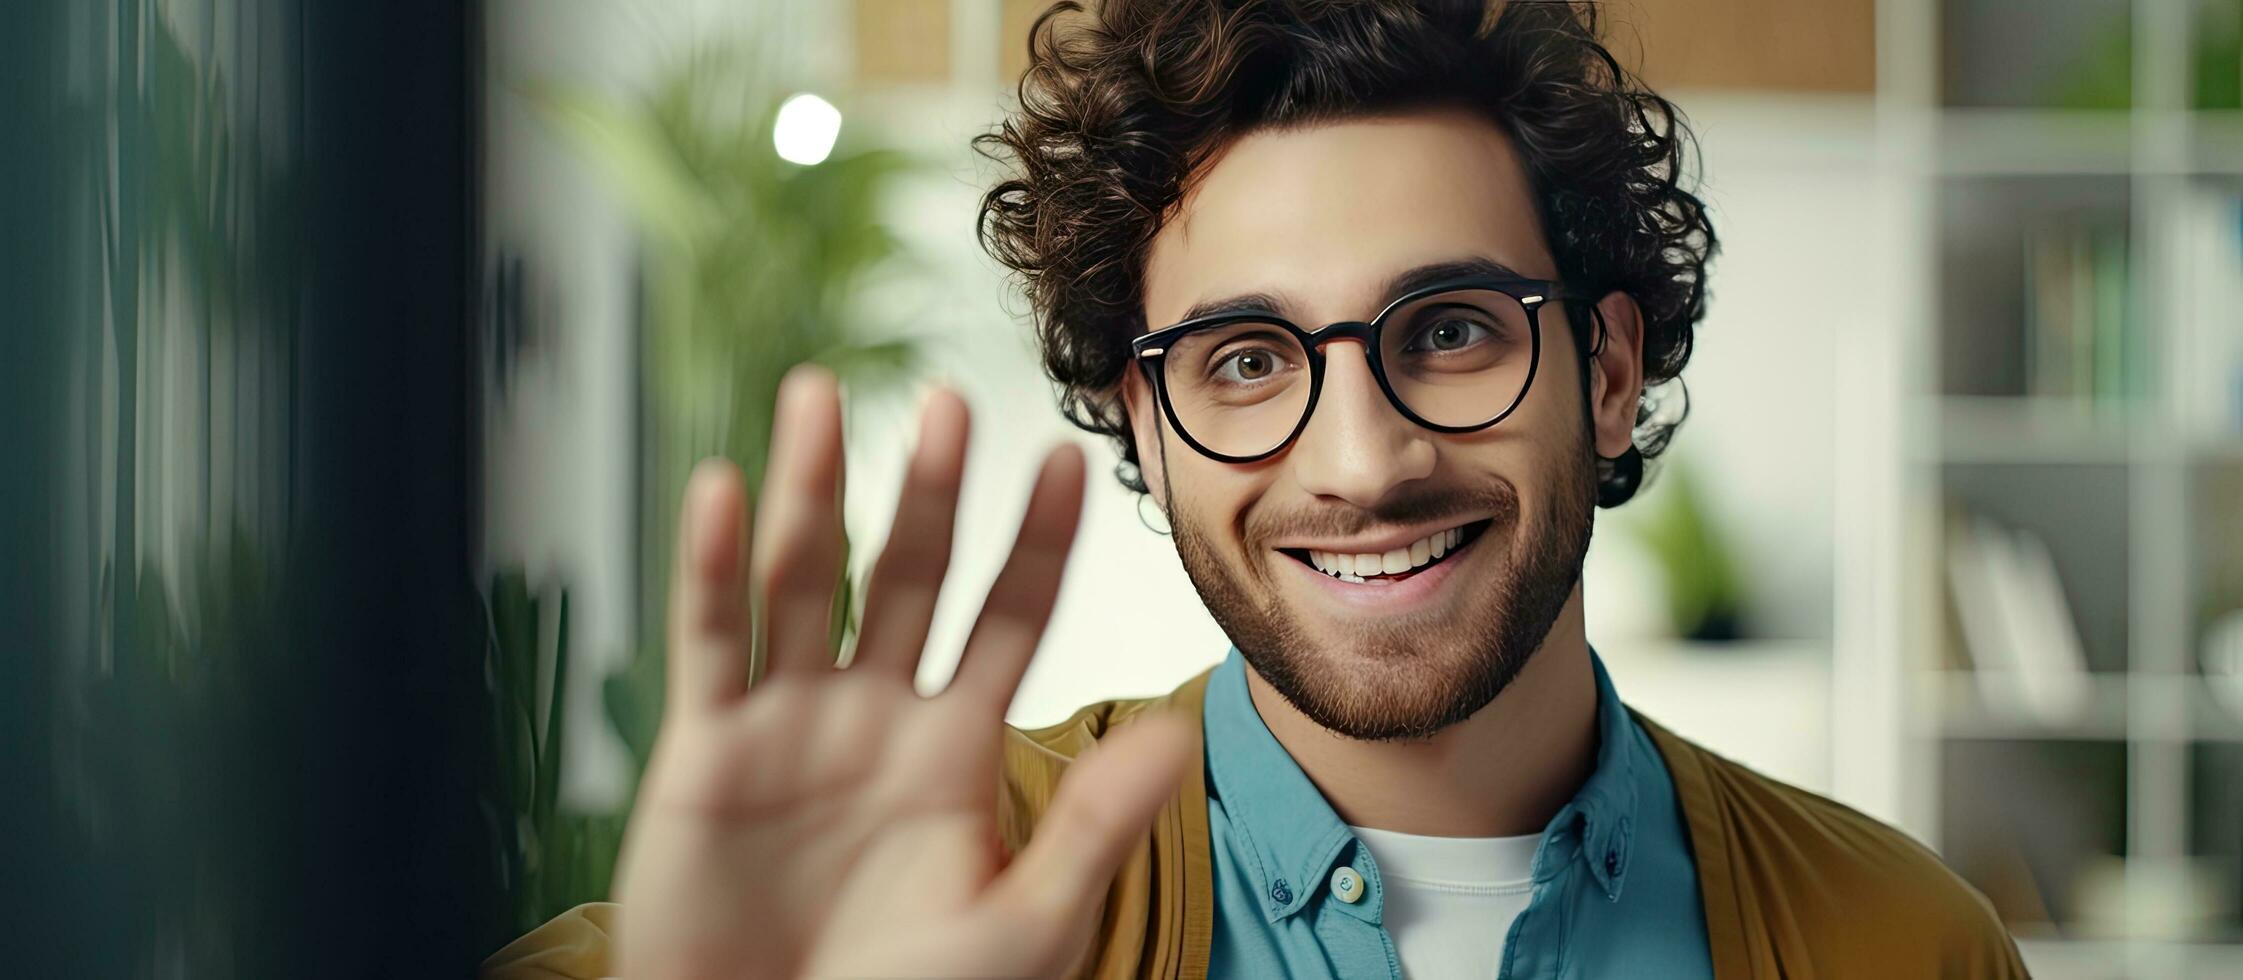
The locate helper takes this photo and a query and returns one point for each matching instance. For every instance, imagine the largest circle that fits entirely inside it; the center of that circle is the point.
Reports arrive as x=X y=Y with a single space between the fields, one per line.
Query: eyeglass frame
x=1150 y=351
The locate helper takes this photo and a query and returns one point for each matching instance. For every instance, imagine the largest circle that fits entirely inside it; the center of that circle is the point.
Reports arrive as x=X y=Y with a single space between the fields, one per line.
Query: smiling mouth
x=1369 y=568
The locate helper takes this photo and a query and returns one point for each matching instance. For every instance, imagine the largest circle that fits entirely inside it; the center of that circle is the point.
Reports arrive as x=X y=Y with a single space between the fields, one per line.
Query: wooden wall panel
x=903 y=41
x=1775 y=45
x=1772 y=45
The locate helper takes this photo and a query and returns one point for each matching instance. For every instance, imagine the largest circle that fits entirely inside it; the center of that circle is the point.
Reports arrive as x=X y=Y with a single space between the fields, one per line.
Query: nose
x=1357 y=446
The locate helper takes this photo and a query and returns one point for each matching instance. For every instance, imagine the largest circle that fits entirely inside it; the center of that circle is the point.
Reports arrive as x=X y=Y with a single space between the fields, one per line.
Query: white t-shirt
x=1450 y=900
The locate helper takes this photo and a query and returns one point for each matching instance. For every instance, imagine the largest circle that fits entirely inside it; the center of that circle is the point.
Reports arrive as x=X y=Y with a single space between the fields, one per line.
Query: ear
x=1143 y=409
x=1616 y=373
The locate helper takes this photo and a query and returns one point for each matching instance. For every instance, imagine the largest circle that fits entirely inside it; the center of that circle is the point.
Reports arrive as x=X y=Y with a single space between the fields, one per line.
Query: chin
x=1385 y=688
x=1399 y=675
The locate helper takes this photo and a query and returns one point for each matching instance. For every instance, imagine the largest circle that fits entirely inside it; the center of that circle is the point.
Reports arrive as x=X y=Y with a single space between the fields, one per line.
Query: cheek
x=1213 y=493
x=1215 y=499
x=1547 y=427
x=1555 y=414
x=1557 y=376
x=1146 y=433
x=1150 y=466
x=1540 y=449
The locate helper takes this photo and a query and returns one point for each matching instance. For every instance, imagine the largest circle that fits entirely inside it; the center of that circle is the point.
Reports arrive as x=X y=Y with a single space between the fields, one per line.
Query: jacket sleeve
x=573 y=946
x=1797 y=885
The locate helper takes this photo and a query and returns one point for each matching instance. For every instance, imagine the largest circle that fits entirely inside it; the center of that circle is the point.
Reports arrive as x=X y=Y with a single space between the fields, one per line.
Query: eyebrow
x=1242 y=303
x=1402 y=282
x=1439 y=272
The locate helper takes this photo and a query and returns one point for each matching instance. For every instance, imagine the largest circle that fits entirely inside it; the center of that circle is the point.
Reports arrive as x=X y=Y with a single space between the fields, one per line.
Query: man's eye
x=1449 y=335
x=1248 y=366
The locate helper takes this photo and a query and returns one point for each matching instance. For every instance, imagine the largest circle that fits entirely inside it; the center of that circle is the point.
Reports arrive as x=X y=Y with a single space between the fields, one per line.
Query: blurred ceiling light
x=805 y=130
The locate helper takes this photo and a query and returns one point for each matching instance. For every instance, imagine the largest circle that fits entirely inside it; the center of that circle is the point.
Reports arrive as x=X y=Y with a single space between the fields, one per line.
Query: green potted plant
x=750 y=265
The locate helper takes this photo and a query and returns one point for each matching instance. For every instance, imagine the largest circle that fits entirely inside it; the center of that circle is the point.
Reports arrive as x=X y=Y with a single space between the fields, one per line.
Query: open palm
x=833 y=821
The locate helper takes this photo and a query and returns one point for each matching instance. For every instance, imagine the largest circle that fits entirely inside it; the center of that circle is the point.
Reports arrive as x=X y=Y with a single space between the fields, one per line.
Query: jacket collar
x=1293 y=837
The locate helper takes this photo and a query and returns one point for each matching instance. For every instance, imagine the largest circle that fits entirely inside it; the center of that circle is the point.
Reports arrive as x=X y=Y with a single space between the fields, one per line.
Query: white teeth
x=1353 y=567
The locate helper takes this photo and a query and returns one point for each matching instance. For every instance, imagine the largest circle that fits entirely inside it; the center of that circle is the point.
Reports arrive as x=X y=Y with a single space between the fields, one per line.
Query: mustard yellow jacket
x=1795 y=885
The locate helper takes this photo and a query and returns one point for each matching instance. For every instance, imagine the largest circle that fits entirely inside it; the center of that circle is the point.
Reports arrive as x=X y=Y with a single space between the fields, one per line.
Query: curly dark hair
x=1120 y=106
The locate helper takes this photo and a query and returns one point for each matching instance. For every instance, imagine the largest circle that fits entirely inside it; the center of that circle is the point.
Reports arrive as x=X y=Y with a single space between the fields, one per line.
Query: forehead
x=1323 y=216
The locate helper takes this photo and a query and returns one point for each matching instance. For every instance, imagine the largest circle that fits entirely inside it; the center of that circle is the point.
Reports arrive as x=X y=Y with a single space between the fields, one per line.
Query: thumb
x=1104 y=806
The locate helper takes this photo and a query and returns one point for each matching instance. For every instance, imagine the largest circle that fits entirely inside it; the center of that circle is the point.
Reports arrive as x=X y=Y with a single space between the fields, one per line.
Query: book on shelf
x=2208 y=364
x=2027 y=658
x=2081 y=341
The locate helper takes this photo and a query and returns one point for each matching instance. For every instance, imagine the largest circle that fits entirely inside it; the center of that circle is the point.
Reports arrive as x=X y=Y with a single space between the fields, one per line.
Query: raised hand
x=832 y=821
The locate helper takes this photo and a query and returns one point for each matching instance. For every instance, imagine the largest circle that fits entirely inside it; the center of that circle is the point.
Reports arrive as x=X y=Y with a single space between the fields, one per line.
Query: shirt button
x=1347 y=885
x=1612 y=863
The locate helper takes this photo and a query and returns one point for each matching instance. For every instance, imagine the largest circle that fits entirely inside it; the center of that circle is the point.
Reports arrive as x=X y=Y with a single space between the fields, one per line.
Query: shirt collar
x=1291 y=836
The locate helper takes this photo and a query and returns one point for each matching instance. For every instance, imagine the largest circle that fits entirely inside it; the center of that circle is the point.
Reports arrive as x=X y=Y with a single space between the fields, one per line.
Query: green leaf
x=633 y=698
x=1704 y=587
x=549 y=754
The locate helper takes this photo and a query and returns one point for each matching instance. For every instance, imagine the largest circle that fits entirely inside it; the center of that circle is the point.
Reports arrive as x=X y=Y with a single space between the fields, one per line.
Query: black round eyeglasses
x=1456 y=356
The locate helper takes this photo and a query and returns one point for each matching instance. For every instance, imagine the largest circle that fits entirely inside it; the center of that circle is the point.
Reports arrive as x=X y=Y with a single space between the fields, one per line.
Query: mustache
x=1497 y=500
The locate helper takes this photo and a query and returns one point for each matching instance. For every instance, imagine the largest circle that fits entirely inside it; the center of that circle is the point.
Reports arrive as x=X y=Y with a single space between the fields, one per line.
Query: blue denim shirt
x=1615 y=889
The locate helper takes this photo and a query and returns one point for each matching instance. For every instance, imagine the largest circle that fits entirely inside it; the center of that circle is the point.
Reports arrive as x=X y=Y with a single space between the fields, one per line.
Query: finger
x=798 y=522
x=1101 y=814
x=907 y=579
x=1019 y=604
x=709 y=625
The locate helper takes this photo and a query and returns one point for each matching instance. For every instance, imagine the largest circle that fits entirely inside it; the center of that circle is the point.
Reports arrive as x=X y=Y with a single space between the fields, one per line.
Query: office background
x=364 y=354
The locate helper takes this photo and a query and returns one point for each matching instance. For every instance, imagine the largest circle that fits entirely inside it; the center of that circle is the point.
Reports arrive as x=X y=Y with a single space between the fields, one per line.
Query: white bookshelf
x=2136 y=479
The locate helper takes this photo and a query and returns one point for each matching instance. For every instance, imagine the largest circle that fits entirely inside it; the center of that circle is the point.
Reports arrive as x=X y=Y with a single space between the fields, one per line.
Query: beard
x=1408 y=676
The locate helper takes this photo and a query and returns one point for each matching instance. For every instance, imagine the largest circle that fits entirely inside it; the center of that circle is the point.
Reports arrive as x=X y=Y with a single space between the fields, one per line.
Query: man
x=1369 y=294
